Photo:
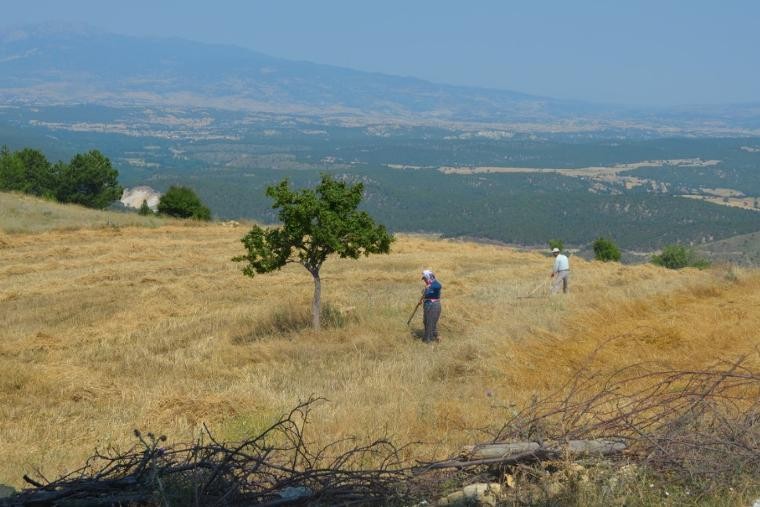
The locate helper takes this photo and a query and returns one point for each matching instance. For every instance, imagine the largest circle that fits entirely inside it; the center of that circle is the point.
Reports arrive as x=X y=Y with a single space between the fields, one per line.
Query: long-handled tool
x=414 y=312
x=530 y=294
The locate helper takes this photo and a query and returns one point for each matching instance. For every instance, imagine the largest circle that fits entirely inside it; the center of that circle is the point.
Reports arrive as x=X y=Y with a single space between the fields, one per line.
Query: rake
x=414 y=312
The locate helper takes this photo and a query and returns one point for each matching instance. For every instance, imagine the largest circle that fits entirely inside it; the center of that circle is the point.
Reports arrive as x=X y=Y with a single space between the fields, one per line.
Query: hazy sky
x=638 y=52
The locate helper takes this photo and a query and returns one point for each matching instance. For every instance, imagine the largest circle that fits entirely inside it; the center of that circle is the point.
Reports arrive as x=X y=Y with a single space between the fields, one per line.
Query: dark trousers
x=431 y=313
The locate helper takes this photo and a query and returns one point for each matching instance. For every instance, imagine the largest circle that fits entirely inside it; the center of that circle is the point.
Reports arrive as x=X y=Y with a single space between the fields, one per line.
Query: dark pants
x=431 y=313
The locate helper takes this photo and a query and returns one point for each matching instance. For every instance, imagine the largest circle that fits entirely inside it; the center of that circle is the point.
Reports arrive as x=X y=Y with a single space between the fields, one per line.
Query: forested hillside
x=512 y=208
x=574 y=186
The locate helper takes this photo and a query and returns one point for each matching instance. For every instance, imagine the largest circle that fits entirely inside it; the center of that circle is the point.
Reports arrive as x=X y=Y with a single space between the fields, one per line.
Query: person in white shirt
x=561 y=271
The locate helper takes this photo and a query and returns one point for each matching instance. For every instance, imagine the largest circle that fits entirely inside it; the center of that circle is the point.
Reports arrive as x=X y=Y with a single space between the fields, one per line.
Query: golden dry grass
x=21 y=213
x=155 y=328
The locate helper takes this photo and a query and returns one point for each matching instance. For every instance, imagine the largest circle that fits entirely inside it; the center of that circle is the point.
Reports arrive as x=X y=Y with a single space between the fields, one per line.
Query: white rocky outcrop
x=134 y=197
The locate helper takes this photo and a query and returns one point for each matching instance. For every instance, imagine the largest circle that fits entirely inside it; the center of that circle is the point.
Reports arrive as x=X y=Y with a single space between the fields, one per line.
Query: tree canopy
x=27 y=171
x=316 y=223
x=12 y=171
x=89 y=180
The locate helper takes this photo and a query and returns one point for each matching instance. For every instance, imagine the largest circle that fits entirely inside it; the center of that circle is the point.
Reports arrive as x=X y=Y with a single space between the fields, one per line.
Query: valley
x=497 y=183
x=138 y=170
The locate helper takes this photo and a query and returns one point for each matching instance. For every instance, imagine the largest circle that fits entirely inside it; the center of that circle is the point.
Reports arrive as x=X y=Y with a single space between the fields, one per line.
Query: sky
x=638 y=52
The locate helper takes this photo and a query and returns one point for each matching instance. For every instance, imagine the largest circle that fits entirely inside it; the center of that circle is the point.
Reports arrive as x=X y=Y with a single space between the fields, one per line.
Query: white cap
x=555 y=250
x=427 y=274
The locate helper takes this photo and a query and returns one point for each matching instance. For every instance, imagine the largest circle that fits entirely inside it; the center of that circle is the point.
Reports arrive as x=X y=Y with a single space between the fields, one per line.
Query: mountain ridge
x=63 y=64
x=55 y=64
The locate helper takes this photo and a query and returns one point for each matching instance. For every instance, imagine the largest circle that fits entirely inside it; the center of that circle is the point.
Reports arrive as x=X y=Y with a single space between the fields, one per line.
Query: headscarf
x=428 y=275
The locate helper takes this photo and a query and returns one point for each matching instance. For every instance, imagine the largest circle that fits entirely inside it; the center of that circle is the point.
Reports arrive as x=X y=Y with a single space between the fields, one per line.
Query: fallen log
x=514 y=453
x=596 y=447
x=498 y=450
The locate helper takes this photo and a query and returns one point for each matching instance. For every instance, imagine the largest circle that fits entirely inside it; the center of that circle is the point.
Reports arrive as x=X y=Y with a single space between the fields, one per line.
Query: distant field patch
x=602 y=176
x=593 y=171
x=734 y=202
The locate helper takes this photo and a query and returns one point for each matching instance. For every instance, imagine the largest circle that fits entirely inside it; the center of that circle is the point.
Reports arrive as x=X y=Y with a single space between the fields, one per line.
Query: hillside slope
x=21 y=213
x=741 y=249
x=106 y=330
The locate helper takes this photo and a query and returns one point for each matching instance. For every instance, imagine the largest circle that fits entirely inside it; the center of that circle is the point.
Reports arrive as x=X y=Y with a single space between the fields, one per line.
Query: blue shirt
x=432 y=291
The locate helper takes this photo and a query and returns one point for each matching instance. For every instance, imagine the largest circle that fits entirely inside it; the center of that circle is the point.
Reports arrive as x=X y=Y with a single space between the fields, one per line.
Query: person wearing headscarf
x=431 y=301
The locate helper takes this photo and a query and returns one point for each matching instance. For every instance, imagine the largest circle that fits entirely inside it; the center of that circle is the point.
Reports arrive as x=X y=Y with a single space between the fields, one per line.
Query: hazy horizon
x=645 y=54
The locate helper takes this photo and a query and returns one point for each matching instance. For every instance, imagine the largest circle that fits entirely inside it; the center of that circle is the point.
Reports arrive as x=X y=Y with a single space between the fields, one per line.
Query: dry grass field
x=109 y=329
x=24 y=213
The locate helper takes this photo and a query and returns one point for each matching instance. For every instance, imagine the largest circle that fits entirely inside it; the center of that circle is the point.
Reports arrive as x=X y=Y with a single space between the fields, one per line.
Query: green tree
x=679 y=256
x=89 y=180
x=315 y=224
x=12 y=171
x=605 y=250
x=39 y=174
x=145 y=209
x=556 y=243
x=182 y=202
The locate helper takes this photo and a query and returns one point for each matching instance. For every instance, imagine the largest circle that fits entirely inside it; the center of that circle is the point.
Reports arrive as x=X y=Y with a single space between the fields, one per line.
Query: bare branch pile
x=700 y=428
x=275 y=468
x=691 y=424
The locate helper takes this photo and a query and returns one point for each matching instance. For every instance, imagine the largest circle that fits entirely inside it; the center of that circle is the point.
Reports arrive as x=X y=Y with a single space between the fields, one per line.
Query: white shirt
x=561 y=263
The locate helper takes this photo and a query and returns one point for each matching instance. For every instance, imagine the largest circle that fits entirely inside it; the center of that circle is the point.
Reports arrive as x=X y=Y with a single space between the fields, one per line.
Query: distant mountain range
x=57 y=65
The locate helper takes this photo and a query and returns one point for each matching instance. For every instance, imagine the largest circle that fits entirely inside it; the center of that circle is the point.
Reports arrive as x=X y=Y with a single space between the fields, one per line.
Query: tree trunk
x=315 y=303
x=529 y=452
x=600 y=447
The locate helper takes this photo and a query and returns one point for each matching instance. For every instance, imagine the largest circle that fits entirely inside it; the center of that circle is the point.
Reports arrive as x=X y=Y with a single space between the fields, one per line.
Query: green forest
x=88 y=179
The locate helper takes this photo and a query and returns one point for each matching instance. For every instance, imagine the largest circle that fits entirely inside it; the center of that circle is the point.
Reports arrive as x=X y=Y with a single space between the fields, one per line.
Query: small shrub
x=334 y=317
x=679 y=256
x=145 y=209
x=556 y=243
x=731 y=275
x=182 y=202
x=605 y=250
